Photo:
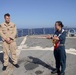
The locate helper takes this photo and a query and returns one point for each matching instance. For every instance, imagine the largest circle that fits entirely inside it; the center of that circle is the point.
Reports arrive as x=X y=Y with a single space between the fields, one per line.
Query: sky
x=39 y=13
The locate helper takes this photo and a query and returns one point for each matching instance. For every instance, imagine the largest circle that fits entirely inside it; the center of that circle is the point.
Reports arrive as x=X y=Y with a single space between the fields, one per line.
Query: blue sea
x=38 y=31
x=35 y=31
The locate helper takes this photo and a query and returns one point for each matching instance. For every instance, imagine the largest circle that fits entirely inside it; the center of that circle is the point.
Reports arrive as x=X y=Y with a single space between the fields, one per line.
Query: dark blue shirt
x=62 y=37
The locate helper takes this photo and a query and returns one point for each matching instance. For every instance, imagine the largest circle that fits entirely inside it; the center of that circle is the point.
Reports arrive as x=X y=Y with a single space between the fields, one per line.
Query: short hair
x=7 y=14
x=60 y=24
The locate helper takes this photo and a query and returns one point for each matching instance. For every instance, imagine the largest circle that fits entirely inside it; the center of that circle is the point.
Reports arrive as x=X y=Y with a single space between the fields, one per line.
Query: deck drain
x=38 y=72
x=31 y=66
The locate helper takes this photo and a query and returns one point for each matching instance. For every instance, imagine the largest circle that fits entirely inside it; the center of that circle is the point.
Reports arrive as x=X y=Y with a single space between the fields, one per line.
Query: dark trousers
x=60 y=58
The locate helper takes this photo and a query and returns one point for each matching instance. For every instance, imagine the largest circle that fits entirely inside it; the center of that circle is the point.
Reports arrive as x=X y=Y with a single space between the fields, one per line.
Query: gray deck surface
x=39 y=62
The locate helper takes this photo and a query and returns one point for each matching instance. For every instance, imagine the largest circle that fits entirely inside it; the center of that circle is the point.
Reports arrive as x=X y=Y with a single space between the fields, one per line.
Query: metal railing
x=39 y=31
x=36 y=31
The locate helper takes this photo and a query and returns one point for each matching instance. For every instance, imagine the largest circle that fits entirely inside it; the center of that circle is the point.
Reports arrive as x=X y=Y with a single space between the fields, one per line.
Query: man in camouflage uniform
x=8 y=29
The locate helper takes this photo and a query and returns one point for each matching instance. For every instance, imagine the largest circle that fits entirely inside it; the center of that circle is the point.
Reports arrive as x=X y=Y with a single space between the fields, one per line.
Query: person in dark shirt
x=59 y=38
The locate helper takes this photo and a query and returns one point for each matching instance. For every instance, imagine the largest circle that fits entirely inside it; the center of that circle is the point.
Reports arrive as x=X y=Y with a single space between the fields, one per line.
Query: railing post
x=43 y=30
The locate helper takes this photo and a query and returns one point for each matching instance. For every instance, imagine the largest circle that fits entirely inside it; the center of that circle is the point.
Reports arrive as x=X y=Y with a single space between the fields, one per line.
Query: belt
x=62 y=45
